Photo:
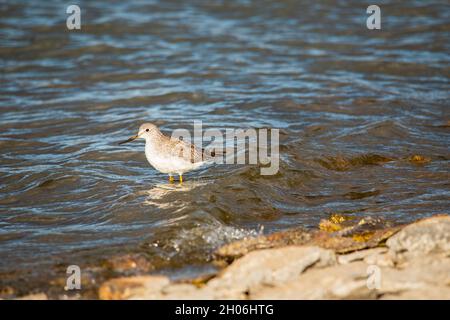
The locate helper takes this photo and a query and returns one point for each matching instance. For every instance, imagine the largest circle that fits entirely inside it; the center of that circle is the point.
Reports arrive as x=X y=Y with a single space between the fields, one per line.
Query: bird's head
x=146 y=131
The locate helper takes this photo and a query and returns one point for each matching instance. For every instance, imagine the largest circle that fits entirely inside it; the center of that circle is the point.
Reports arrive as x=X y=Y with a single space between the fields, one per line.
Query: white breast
x=167 y=163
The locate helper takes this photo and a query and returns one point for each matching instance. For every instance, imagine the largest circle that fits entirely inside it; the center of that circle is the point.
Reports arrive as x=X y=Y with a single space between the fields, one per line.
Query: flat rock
x=422 y=237
x=268 y=267
x=356 y=280
x=234 y=250
x=128 y=263
x=418 y=274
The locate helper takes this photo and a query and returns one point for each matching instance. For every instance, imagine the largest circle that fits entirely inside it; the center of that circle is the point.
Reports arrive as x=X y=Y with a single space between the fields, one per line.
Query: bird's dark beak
x=130 y=139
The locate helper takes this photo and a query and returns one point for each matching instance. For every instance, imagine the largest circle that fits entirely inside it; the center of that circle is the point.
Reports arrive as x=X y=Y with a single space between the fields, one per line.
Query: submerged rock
x=129 y=263
x=341 y=163
x=234 y=250
x=345 y=235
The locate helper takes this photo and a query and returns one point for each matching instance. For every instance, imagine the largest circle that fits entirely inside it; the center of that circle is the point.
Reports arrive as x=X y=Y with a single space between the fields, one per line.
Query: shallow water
x=352 y=106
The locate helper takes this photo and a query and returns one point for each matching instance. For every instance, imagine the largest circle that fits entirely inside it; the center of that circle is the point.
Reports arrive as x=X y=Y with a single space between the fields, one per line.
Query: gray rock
x=268 y=267
x=337 y=282
x=422 y=237
x=417 y=274
x=354 y=281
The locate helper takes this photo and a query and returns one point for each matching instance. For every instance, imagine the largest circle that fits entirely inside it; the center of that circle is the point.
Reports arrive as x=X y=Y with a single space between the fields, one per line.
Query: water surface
x=352 y=105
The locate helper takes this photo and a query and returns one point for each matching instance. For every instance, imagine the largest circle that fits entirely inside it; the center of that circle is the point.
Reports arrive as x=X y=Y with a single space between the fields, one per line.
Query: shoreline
x=404 y=262
x=345 y=258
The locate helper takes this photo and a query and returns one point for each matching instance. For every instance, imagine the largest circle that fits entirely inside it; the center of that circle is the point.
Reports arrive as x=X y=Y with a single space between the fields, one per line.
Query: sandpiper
x=169 y=155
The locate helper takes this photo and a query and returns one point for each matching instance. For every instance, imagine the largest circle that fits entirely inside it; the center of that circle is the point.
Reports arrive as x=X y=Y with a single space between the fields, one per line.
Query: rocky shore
x=344 y=259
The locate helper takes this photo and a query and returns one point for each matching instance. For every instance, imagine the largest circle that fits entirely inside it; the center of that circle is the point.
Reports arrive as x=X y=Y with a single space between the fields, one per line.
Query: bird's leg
x=171 y=179
x=181 y=178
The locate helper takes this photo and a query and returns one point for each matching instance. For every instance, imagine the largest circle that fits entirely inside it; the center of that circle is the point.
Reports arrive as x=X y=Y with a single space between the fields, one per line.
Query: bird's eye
x=147 y=130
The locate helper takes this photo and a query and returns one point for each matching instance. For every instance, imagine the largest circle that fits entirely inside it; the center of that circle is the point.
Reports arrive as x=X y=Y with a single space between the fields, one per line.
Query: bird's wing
x=186 y=150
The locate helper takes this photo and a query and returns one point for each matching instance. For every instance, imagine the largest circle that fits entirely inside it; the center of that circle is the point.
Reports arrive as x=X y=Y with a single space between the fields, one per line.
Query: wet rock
x=239 y=248
x=340 y=233
x=90 y=276
x=417 y=274
x=347 y=234
x=346 y=244
x=422 y=237
x=130 y=263
x=334 y=222
x=347 y=226
x=363 y=226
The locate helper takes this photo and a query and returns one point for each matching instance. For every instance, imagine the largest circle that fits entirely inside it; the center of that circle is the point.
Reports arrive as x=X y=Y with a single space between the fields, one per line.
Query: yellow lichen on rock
x=339 y=218
x=333 y=223
x=363 y=237
x=326 y=225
